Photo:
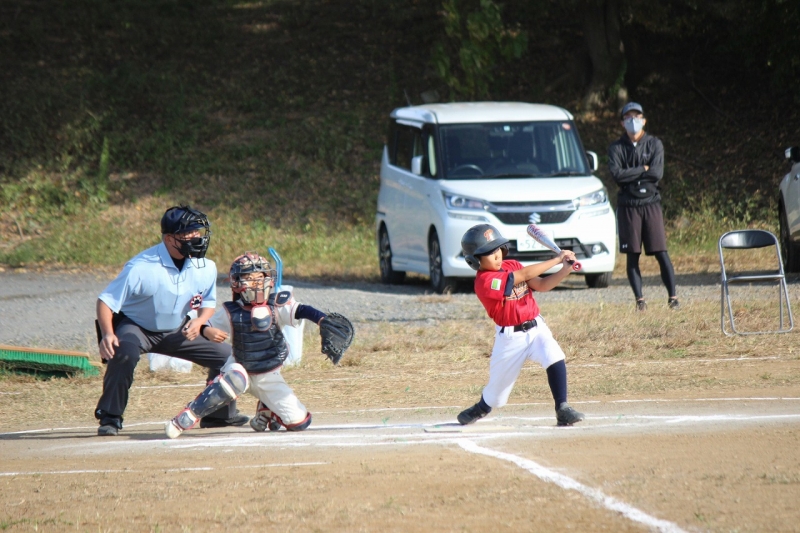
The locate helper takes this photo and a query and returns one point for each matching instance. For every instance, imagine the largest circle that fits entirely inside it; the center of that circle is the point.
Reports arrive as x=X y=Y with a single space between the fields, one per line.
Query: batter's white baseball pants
x=511 y=350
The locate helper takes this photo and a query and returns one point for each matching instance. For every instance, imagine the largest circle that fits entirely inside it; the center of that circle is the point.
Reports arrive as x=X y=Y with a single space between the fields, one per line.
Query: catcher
x=257 y=316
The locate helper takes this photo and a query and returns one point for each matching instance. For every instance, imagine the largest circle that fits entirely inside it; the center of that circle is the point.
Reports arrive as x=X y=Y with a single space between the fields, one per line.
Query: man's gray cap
x=631 y=106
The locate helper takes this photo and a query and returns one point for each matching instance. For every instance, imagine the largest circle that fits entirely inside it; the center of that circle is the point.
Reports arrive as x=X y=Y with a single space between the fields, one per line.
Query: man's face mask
x=633 y=125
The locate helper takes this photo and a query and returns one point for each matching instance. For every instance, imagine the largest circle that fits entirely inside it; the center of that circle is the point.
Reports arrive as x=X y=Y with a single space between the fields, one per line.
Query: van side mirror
x=417 y=164
x=793 y=154
x=593 y=161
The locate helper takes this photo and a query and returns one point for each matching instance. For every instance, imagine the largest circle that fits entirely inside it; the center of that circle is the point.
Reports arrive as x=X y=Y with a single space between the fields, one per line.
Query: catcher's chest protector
x=256 y=351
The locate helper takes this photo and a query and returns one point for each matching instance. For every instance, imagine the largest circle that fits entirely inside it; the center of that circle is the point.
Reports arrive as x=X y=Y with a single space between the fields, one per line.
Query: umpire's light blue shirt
x=153 y=293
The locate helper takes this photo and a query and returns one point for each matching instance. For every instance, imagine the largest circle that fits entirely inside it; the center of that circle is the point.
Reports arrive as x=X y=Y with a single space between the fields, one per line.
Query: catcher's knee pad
x=223 y=390
x=300 y=426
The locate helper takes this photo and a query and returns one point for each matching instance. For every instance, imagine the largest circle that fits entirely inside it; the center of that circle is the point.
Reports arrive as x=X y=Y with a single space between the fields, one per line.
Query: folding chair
x=749 y=239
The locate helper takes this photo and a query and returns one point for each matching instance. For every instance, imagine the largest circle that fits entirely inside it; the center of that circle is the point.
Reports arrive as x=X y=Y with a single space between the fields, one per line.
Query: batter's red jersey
x=519 y=306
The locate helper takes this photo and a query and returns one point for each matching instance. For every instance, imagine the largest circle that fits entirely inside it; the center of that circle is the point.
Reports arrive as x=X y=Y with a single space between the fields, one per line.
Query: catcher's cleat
x=471 y=414
x=236 y=420
x=566 y=415
x=265 y=419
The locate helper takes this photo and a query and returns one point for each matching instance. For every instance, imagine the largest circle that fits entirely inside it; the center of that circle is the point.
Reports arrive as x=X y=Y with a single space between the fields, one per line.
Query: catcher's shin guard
x=223 y=390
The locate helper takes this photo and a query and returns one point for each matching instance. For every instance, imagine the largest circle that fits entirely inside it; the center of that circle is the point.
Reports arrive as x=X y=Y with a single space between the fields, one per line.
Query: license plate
x=526 y=243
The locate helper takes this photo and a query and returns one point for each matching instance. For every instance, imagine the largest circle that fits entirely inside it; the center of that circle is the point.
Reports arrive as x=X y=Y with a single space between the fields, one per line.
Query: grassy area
x=270 y=115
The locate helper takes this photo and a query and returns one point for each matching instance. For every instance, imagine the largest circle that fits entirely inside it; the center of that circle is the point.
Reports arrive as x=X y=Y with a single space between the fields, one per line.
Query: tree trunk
x=601 y=29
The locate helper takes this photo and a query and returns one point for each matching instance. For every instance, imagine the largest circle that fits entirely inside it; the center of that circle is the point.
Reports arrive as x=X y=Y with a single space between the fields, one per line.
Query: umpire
x=145 y=309
x=636 y=162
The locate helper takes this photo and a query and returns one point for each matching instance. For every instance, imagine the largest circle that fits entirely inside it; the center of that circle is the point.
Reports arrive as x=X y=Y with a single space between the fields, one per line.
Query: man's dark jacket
x=626 y=163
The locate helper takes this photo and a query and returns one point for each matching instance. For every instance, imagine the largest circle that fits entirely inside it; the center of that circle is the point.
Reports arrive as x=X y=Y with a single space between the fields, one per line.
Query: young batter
x=505 y=288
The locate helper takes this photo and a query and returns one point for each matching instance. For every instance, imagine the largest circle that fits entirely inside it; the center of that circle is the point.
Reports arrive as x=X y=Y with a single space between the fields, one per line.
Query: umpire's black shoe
x=471 y=414
x=566 y=415
x=237 y=420
x=109 y=427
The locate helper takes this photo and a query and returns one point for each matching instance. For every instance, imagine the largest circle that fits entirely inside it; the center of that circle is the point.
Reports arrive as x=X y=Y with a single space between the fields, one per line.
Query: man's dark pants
x=134 y=341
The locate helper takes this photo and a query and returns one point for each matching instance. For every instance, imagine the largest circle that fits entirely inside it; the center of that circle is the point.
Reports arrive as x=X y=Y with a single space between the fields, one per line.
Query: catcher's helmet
x=251 y=291
x=480 y=240
x=182 y=219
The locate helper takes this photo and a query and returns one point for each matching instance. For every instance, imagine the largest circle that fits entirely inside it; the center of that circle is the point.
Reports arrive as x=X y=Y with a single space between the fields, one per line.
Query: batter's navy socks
x=238 y=420
x=476 y=412
x=566 y=415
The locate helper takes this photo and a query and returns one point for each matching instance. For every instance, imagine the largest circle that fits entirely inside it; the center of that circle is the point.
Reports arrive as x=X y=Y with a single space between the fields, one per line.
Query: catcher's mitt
x=337 y=333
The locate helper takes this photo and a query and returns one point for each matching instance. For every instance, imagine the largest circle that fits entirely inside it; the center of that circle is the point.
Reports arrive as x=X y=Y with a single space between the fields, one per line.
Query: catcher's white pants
x=275 y=393
x=511 y=350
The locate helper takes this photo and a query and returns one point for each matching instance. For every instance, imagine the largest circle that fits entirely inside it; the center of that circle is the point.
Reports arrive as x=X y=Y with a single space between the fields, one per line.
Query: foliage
x=270 y=116
x=476 y=40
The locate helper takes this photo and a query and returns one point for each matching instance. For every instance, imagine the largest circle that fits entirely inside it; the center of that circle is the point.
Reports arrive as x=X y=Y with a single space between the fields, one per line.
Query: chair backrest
x=748 y=238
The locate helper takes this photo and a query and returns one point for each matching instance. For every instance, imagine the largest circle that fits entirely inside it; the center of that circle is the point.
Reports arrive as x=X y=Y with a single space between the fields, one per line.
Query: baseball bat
x=541 y=237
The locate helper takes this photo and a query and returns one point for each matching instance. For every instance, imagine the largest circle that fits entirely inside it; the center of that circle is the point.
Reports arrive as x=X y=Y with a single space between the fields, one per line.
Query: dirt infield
x=712 y=460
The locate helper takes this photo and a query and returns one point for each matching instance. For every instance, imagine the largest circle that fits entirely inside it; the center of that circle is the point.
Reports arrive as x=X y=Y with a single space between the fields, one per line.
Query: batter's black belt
x=525 y=326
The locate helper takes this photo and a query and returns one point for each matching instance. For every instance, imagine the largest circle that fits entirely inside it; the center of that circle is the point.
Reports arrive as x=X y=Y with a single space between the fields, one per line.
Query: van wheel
x=389 y=276
x=598 y=281
x=789 y=250
x=441 y=284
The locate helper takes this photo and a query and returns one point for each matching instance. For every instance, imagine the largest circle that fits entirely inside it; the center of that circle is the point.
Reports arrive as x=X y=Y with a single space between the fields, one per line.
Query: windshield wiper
x=566 y=173
x=526 y=175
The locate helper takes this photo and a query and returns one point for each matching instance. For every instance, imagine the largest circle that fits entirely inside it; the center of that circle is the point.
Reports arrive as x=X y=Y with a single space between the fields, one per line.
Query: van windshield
x=511 y=150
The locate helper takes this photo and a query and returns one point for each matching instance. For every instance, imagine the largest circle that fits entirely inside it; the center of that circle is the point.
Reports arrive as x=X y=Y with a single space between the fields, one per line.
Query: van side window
x=407 y=145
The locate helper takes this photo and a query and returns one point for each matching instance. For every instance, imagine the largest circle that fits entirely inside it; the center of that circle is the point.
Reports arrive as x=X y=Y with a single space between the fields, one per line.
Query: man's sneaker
x=470 y=415
x=109 y=426
x=641 y=305
x=265 y=419
x=237 y=420
x=566 y=415
x=673 y=303
x=109 y=430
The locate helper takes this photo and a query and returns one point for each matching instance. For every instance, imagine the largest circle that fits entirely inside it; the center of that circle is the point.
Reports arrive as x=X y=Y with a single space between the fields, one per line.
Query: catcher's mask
x=480 y=240
x=257 y=289
x=190 y=228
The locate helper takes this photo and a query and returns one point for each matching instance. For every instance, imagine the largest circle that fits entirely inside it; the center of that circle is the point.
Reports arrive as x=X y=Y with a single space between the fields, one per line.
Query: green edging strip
x=16 y=357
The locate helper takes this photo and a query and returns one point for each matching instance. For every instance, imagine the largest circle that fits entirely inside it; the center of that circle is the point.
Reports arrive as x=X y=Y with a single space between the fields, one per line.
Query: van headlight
x=593 y=198
x=456 y=201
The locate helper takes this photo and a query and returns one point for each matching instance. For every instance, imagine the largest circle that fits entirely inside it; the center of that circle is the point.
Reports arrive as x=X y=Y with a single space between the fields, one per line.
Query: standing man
x=636 y=162
x=145 y=310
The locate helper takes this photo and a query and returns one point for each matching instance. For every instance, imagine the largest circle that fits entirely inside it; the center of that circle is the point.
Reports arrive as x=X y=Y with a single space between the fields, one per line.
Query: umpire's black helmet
x=480 y=240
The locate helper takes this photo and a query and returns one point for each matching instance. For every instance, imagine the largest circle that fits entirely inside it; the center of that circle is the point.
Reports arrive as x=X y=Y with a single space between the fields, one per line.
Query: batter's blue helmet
x=480 y=240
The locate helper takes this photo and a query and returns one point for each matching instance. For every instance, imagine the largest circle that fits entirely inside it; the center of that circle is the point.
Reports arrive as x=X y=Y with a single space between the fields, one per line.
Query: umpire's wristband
x=202 y=329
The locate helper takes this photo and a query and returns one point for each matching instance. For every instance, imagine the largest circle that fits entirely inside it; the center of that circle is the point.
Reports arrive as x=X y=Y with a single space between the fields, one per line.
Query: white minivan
x=447 y=167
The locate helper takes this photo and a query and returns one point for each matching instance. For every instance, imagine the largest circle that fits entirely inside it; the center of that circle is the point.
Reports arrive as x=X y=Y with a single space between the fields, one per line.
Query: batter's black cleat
x=641 y=305
x=566 y=415
x=470 y=415
x=674 y=304
x=238 y=420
